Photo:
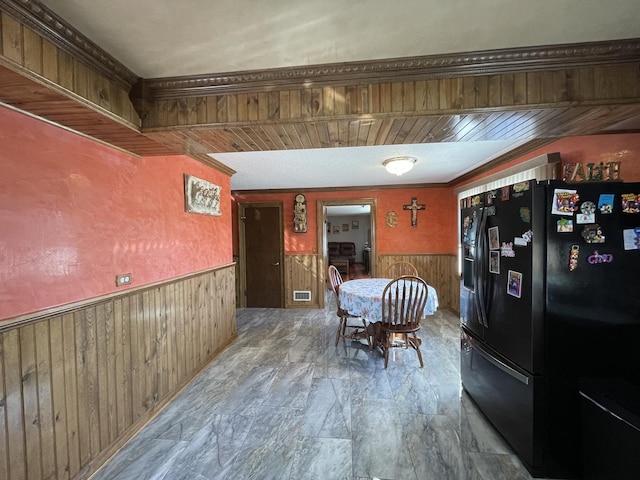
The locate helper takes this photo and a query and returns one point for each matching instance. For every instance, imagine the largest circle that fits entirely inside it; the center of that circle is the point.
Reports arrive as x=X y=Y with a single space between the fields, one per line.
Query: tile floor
x=282 y=402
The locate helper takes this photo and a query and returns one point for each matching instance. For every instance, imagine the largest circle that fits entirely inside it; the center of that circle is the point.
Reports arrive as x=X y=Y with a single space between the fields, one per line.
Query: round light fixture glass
x=399 y=165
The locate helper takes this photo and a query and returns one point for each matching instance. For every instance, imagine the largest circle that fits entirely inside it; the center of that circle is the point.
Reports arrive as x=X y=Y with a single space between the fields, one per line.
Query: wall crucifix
x=414 y=207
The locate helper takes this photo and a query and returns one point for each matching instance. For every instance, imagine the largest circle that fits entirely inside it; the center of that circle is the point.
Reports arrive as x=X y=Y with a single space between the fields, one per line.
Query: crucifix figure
x=414 y=207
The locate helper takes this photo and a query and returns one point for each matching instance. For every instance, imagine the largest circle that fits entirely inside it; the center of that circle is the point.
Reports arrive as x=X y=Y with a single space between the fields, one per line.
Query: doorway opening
x=346 y=221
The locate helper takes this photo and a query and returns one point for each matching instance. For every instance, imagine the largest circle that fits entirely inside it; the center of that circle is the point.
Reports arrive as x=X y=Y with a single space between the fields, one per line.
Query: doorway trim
x=321 y=214
x=242 y=247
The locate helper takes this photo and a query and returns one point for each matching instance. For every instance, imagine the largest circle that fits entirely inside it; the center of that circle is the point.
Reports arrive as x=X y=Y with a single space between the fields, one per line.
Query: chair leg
x=340 y=331
x=415 y=343
x=387 y=347
x=367 y=332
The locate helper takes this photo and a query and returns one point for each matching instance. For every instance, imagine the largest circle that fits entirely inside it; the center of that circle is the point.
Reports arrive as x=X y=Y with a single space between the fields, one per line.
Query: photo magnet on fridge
x=565 y=202
x=585 y=218
x=631 y=203
x=514 y=283
x=494 y=238
x=631 y=238
x=494 y=262
x=605 y=203
x=593 y=233
x=564 y=225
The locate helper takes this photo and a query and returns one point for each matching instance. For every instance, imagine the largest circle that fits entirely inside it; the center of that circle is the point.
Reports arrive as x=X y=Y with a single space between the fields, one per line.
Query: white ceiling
x=160 y=38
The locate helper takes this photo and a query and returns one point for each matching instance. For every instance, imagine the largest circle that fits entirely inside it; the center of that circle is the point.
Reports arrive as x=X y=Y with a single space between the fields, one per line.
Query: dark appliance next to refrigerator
x=549 y=296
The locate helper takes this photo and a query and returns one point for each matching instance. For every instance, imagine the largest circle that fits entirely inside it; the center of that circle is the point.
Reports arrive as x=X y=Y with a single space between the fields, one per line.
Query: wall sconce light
x=399 y=165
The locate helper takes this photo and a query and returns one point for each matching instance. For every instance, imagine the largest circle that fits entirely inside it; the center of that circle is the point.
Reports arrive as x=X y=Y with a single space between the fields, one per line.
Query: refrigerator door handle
x=480 y=268
x=501 y=365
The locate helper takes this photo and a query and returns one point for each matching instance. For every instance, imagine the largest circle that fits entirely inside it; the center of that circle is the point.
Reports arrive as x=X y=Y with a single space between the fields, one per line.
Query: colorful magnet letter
x=597 y=257
x=573 y=257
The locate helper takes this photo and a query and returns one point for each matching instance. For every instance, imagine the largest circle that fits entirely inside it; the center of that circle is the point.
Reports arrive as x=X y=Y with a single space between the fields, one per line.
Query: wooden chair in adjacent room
x=351 y=326
x=398 y=269
x=403 y=303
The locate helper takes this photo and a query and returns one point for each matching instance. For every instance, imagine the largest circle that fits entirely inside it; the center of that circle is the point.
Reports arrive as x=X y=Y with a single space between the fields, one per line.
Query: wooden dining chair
x=351 y=326
x=398 y=269
x=403 y=303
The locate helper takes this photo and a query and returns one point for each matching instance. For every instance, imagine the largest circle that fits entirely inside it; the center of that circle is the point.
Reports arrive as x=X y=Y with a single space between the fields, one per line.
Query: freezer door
x=509 y=397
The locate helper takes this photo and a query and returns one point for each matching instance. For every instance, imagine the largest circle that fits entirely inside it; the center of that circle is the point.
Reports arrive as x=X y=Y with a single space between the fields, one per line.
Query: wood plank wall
x=301 y=273
x=439 y=271
x=28 y=49
x=75 y=386
x=525 y=91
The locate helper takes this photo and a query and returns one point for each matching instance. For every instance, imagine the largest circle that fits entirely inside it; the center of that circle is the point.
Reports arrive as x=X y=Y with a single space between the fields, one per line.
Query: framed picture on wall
x=345 y=227
x=336 y=229
x=355 y=224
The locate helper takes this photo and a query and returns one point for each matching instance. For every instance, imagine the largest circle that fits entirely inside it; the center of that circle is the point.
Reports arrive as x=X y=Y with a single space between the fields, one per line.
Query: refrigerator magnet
x=504 y=194
x=494 y=238
x=519 y=242
x=564 y=201
x=592 y=233
x=631 y=238
x=585 y=218
x=588 y=208
x=573 y=257
x=587 y=213
x=605 y=203
x=494 y=262
x=564 y=225
x=631 y=203
x=514 y=283
x=525 y=214
x=506 y=250
x=597 y=257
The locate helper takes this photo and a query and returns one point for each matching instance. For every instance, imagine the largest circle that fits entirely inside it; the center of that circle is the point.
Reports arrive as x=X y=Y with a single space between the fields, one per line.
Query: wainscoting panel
x=77 y=383
x=301 y=274
x=439 y=271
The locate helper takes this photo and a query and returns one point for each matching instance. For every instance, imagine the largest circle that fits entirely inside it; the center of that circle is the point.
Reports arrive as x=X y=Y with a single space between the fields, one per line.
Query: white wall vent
x=301 y=296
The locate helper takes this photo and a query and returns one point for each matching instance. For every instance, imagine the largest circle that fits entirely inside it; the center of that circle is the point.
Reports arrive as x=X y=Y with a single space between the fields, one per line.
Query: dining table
x=362 y=297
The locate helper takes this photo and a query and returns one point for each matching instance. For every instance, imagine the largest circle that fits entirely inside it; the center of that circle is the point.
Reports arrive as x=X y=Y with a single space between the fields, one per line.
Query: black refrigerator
x=549 y=296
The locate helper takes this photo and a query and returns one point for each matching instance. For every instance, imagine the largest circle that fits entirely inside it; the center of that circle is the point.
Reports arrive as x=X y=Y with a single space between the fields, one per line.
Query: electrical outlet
x=123 y=279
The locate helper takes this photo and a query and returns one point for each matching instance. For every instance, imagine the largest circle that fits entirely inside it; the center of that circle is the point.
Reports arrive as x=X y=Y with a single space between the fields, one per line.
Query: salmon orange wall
x=435 y=231
x=75 y=213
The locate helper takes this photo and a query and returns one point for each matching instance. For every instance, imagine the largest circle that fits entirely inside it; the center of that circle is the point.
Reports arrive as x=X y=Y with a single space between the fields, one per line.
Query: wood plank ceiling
x=537 y=94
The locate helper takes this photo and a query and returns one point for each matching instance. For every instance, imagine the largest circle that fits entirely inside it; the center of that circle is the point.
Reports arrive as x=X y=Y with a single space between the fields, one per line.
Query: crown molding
x=61 y=34
x=500 y=61
x=512 y=60
x=501 y=160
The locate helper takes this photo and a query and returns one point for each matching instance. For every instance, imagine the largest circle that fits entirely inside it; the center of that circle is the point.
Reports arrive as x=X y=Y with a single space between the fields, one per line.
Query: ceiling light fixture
x=399 y=165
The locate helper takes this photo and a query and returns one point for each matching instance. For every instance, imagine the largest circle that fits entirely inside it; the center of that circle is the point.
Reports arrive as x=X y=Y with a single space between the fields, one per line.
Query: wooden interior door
x=263 y=254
